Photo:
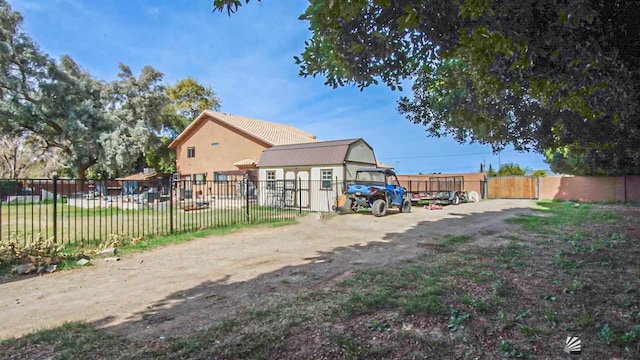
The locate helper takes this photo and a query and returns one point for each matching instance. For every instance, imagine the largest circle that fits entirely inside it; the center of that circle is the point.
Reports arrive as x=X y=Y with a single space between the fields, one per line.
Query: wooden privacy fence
x=512 y=187
x=579 y=188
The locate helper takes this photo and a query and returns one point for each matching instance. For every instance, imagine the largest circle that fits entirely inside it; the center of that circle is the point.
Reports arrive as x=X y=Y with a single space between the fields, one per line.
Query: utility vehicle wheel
x=346 y=209
x=379 y=208
x=406 y=206
x=456 y=199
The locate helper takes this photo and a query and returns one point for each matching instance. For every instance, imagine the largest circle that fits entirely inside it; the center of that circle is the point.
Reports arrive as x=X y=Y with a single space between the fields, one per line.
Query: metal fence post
x=337 y=194
x=55 y=208
x=485 y=187
x=246 y=196
x=171 y=188
x=299 y=196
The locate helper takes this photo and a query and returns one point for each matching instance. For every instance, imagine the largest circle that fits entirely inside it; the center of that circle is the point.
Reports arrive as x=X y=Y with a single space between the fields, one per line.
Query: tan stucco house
x=216 y=146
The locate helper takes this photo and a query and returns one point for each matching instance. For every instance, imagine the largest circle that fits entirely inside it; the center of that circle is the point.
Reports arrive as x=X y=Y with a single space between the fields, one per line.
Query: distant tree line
x=512 y=169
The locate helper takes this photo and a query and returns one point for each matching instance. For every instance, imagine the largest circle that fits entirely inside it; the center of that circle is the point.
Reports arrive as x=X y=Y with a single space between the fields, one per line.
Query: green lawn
x=25 y=222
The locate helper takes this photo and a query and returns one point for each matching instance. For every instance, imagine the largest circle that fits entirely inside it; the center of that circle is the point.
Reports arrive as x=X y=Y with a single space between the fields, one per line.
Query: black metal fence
x=90 y=212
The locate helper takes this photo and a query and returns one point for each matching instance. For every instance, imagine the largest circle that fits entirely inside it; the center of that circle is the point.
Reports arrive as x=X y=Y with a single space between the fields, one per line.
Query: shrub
x=42 y=252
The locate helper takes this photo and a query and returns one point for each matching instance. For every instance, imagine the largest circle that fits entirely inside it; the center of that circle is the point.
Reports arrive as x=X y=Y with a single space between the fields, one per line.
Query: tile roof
x=265 y=131
x=245 y=162
x=318 y=153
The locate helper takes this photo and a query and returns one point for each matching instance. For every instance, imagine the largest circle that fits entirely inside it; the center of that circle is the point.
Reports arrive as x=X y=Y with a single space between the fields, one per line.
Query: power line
x=467 y=169
x=444 y=155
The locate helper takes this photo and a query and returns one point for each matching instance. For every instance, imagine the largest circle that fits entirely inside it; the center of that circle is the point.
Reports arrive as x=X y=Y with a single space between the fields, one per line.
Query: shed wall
x=304 y=187
x=360 y=152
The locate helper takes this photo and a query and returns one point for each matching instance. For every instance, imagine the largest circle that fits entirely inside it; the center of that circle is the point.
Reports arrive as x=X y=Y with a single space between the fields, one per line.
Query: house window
x=326 y=175
x=218 y=177
x=191 y=152
x=271 y=179
x=200 y=179
x=186 y=185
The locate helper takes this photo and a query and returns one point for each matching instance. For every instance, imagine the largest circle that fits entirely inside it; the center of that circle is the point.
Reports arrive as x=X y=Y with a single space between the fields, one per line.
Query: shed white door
x=300 y=177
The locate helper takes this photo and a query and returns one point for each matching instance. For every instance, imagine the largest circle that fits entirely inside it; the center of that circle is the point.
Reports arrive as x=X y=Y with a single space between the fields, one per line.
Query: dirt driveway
x=180 y=288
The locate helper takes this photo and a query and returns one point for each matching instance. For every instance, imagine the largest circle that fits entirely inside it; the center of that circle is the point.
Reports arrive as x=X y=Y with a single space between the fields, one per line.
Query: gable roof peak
x=268 y=132
x=317 y=153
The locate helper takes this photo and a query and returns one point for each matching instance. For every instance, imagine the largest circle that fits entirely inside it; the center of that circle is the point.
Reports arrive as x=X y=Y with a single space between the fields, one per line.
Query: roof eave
x=209 y=114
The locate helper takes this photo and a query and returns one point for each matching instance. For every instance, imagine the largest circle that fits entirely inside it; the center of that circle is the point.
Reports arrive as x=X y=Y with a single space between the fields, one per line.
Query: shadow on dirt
x=367 y=212
x=202 y=306
x=7 y=277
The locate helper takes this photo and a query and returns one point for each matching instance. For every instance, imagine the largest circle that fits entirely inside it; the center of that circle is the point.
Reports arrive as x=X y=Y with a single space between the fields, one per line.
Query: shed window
x=326 y=175
x=191 y=152
x=271 y=179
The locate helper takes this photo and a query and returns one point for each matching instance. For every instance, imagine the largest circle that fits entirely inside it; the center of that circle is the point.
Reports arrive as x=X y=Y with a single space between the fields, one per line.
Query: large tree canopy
x=135 y=105
x=557 y=77
x=58 y=103
x=110 y=127
x=187 y=99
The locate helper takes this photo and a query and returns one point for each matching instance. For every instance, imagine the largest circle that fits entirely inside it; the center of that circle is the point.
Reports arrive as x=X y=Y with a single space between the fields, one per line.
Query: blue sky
x=248 y=60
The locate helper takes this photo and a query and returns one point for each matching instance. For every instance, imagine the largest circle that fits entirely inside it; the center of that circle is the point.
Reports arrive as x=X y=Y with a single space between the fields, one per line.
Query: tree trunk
x=82 y=170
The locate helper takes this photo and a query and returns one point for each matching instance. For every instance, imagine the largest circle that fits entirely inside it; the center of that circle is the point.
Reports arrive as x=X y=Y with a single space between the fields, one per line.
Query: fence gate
x=512 y=187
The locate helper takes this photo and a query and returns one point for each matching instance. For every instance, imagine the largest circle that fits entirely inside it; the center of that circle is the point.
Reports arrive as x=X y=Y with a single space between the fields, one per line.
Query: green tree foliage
x=539 y=173
x=556 y=77
x=161 y=158
x=511 y=170
x=110 y=127
x=491 y=172
x=187 y=99
x=56 y=102
x=136 y=105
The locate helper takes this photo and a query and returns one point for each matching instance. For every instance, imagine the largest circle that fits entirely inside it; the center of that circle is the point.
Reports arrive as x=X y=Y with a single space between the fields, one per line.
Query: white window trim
x=322 y=179
x=271 y=181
